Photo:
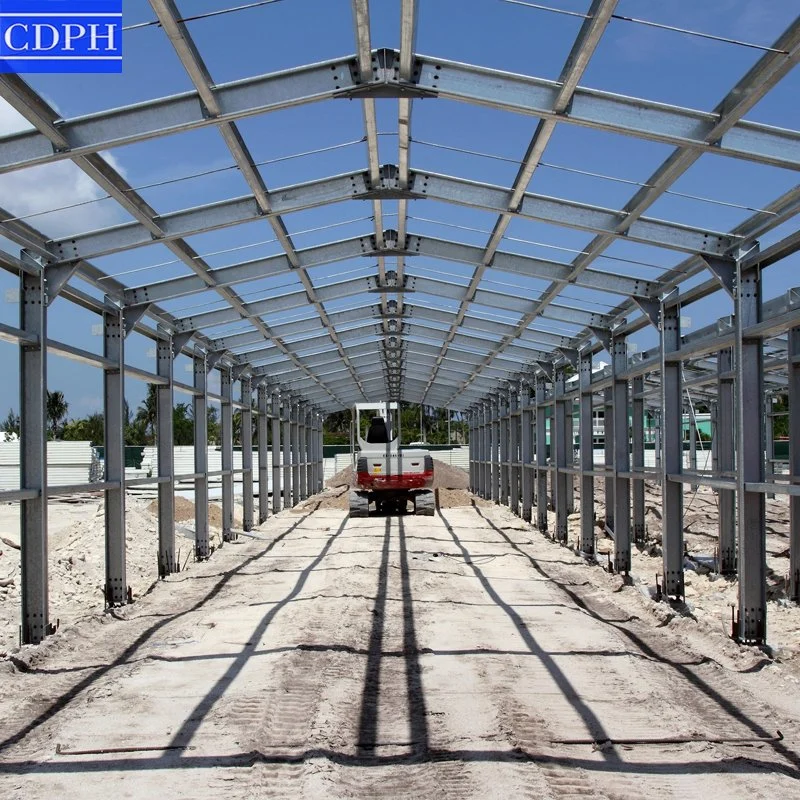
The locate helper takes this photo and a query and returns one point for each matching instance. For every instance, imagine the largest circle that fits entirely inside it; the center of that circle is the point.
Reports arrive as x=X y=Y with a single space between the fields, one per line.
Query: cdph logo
x=60 y=35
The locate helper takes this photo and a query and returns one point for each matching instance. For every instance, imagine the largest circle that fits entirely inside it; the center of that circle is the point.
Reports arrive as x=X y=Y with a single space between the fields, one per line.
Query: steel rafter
x=168 y=15
x=763 y=76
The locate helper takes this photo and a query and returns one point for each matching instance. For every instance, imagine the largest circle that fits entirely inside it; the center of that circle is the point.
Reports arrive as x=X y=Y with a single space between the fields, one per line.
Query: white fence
x=67 y=463
x=71 y=463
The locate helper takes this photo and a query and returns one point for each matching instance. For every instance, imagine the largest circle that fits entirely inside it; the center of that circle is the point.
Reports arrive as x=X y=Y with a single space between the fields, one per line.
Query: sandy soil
x=77 y=555
x=457 y=656
x=709 y=597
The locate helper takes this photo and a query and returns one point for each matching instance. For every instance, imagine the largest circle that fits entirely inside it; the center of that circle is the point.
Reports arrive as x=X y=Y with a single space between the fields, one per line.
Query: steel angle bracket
x=386 y=80
x=571 y=354
x=650 y=308
x=56 y=277
x=546 y=368
x=724 y=270
x=213 y=358
x=132 y=315
x=238 y=370
x=603 y=336
x=180 y=340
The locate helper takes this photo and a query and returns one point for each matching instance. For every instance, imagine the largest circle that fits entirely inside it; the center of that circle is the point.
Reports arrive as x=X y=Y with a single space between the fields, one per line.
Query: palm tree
x=147 y=415
x=57 y=408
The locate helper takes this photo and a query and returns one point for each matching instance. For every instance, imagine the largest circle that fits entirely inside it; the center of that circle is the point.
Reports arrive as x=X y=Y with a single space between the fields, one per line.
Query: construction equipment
x=384 y=473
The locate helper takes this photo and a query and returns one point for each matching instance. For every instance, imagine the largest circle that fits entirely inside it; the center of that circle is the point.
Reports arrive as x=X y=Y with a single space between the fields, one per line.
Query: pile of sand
x=184 y=512
x=77 y=555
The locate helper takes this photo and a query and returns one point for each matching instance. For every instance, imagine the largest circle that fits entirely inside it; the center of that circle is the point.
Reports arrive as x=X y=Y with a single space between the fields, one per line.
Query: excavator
x=385 y=474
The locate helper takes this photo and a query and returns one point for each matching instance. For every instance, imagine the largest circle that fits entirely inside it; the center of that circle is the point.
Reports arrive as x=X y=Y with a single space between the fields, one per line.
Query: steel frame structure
x=510 y=377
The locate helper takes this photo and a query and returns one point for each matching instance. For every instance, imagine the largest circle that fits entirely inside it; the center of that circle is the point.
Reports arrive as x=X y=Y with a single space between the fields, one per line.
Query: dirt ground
x=710 y=597
x=77 y=555
x=459 y=656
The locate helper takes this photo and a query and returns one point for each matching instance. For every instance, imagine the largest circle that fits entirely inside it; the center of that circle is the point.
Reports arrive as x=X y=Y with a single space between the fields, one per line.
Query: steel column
x=226 y=430
x=247 y=452
x=262 y=399
x=202 y=547
x=286 y=444
x=751 y=506
x=494 y=451
x=307 y=482
x=295 y=441
x=487 y=451
x=302 y=450
x=527 y=452
x=558 y=442
x=608 y=448
x=586 y=434
x=569 y=424
x=483 y=449
x=692 y=444
x=33 y=459
x=276 y=453
x=794 y=463
x=471 y=445
x=672 y=455
x=726 y=462
x=540 y=388
x=769 y=433
x=514 y=455
x=622 y=460
x=116 y=588
x=165 y=442
x=504 y=410
x=320 y=480
x=637 y=437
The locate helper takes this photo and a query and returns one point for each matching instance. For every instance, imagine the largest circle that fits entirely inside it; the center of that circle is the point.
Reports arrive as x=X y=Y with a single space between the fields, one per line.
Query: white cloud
x=51 y=186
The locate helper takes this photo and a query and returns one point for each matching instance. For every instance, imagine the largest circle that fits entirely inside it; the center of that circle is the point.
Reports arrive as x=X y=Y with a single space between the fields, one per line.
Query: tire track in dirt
x=715 y=705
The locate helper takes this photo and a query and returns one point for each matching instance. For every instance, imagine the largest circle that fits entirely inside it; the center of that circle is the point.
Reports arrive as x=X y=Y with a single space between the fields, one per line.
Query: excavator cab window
x=378 y=433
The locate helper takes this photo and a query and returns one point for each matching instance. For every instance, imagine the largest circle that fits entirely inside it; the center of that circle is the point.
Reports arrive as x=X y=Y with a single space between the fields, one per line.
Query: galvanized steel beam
x=202 y=543
x=226 y=436
x=34 y=566
x=751 y=505
x=116 y=588
x=246 y=412
x=165 y=441
x=672 y=453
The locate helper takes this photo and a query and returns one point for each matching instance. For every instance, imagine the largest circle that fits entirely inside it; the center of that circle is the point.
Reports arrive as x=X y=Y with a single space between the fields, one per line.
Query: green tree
x=780 y=425
x=213 y=425
x=91 y=429
x=183 y=424
x=11 y=423
x=146 y=417
x=57 y=408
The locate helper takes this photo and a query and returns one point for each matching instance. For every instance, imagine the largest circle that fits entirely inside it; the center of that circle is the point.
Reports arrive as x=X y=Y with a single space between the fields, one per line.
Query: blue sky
x=632 y=60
